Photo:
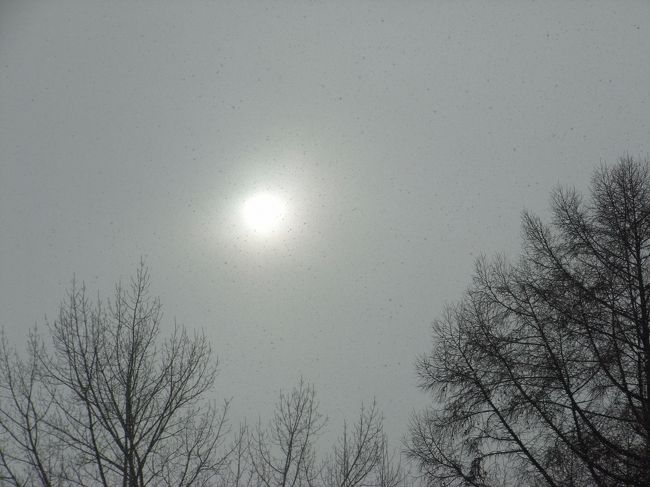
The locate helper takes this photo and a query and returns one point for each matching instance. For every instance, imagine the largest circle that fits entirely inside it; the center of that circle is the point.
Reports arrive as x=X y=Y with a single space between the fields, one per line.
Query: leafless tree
x=541 y=373
x=389 y=472
x=114 y=401
x=29 y=453
x=240 y=471
x=359 y=452
x=116 y=404
x=283 y=454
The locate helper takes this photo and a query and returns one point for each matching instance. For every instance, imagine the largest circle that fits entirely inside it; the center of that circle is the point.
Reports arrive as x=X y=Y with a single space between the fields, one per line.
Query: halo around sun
x=264 y=213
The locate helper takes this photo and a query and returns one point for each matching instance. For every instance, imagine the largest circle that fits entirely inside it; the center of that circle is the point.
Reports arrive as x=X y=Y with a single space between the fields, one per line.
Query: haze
x=405 y=137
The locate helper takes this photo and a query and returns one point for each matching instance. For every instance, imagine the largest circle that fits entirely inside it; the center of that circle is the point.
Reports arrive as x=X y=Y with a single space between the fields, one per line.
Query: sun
x=264 y=213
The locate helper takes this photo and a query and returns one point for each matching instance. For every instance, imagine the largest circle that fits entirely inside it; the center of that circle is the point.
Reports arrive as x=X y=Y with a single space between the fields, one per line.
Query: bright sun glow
x=264 y=213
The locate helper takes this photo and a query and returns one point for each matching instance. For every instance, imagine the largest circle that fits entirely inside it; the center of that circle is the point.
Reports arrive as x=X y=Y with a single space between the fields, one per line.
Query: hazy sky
x=406 y=138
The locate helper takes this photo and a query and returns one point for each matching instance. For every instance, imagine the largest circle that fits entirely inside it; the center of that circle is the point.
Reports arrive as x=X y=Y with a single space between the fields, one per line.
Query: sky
x=404 y=138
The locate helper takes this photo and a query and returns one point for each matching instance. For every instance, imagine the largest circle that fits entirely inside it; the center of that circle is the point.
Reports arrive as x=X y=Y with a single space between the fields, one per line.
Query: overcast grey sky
x=405 y=137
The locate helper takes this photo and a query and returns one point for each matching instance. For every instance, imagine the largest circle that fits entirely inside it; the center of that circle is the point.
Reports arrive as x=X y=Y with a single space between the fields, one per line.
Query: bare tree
x=240 y=471
x=359 y=452
x=542 y=371
x=116 y=404
x=139 y=415
x=389 y=472
x=29 y=453
x=283 y=454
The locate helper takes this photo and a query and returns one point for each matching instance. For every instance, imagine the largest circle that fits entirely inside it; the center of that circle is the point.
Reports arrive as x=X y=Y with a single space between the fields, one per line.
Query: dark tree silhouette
x=360 y=456
x=541 y=373
x=116 y=404
x=29 y=453
x=115 y=401
x=283 y=454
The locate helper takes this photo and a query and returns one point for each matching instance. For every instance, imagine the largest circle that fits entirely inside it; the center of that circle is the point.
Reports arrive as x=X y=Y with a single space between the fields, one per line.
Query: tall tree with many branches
x=29 y=453
x=541 y=374
x=284 y=453
x=360 y=456
x=116 y=403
